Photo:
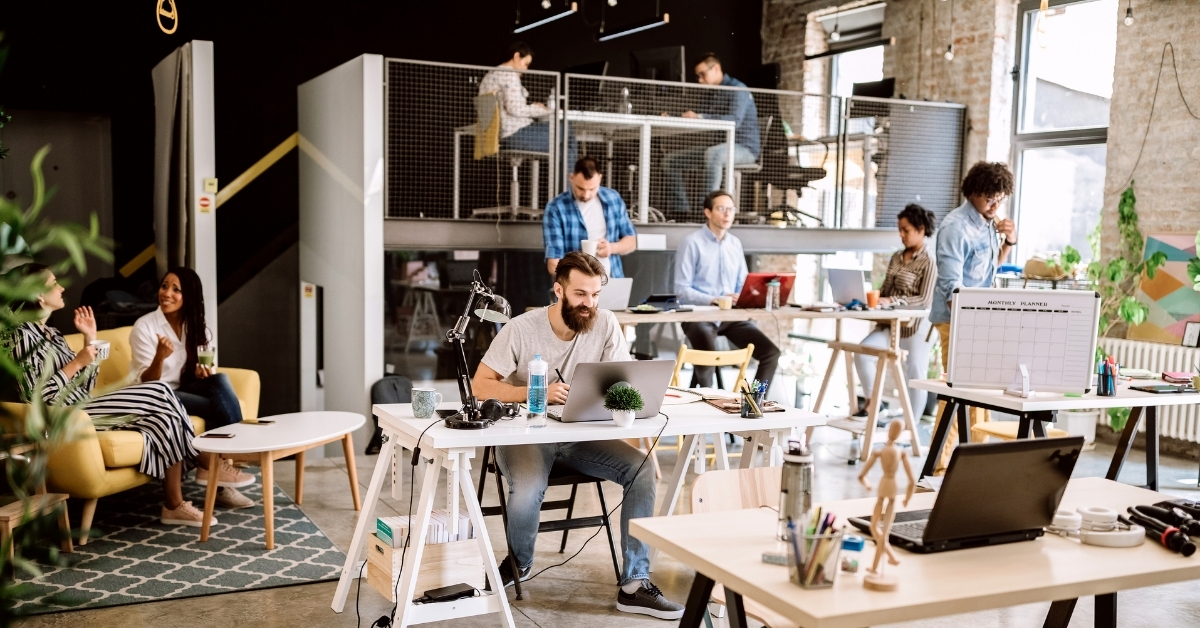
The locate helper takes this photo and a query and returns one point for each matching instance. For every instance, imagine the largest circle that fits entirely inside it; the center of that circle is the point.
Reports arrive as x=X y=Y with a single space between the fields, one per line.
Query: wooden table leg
x=1125 y=444
x=268 y=490
x=910 y=416
x=210 y=495
x=64 y=525
x=874 y=402
x=697 y=602
x=348 y=450
x=300 y=478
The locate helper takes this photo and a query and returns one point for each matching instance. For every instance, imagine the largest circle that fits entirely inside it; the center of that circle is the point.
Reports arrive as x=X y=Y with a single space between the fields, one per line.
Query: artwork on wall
x=1172 y=301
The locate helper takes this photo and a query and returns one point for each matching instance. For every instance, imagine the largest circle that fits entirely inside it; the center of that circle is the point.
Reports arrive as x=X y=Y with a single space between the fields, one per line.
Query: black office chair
x=559 y=476
x=776 y=169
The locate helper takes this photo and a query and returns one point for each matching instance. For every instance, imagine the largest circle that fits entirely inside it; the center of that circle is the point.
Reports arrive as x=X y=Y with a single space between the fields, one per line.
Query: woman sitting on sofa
x=164 y=346
x=162 y=421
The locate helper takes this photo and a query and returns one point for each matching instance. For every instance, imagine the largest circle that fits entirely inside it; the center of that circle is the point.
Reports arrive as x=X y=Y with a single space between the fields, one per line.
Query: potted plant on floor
x=624 y=401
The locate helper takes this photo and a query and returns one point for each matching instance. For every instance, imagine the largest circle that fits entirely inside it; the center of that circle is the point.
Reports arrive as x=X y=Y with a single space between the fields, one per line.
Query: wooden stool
x=1006 y=430
x=40 y=504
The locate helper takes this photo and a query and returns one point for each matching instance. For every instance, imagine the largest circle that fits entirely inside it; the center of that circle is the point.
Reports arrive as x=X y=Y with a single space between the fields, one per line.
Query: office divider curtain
x=172 y=148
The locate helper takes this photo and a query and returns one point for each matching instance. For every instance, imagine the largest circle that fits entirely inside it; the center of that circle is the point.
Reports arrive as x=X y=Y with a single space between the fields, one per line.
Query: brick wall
x=984 y=32
x=1168 y=175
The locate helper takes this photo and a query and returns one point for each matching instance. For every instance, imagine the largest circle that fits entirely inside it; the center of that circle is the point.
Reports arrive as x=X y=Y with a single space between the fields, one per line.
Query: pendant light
x=1129 y=14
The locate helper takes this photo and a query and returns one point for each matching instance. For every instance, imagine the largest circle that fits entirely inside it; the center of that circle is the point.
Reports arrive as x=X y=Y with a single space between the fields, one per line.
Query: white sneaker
x=231 y=498
x=227 y=476
x=185 y=515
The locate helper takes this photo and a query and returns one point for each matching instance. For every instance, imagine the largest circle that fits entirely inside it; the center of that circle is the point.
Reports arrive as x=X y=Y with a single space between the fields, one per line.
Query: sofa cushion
x=123 y=448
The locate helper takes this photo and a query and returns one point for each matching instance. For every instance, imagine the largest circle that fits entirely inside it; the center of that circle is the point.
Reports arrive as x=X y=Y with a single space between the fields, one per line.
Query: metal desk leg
x=1024 y=426
x=1038 y=423
x=1106 y=610
x=457 y=171
x=1152 y=448
x=1060 y=613
x=737 y=609
x=365 y=516
x=729 y=140
x=643 y=205
x=939 y=437
x=1125 y=444
x=964 y=430
x=697 y=602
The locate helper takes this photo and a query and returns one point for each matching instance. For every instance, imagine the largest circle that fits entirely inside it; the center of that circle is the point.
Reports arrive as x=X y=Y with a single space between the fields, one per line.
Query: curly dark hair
x=919 y=218
x=989 y=179
x=195 y=329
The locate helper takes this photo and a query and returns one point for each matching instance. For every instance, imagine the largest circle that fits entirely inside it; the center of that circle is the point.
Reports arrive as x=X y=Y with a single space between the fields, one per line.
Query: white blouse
x=143 y=341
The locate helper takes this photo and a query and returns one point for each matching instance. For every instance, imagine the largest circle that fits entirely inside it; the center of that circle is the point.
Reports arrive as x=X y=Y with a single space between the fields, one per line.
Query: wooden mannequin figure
x=890 y=457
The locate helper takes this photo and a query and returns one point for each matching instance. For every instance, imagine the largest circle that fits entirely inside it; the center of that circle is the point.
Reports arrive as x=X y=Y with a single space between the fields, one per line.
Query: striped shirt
x=910 y=284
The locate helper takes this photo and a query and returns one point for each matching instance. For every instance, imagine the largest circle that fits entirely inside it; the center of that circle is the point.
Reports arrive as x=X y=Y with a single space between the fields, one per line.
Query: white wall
x=203 y=247
x=341 y=223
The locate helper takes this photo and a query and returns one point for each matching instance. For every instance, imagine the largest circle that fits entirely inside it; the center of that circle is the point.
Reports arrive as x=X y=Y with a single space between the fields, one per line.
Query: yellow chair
x=700 y=357
x=99 y=464
x=740 y=489
x=1006 y=430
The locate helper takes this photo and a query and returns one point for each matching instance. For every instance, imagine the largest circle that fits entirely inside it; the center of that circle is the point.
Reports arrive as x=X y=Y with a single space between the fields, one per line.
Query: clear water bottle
x=773 y=294
x=537 y=390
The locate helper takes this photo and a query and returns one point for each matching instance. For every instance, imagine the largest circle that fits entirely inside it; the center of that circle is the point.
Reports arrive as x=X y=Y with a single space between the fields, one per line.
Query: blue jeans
x=211 y=399
x=536 y=137
x=527 y=468
x=916 y=365
x=711 y=159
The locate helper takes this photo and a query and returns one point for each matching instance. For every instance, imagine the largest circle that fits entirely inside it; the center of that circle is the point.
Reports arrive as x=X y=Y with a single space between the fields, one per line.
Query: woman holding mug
x=166 y=345
x=911 y=275
x=166 y=430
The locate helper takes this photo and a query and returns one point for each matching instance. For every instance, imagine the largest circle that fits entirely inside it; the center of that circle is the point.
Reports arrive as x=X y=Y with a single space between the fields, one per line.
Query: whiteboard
x=1052 y=332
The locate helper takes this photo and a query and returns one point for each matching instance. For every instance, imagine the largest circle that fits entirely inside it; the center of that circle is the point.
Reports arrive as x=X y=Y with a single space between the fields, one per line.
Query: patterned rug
x=137 y=559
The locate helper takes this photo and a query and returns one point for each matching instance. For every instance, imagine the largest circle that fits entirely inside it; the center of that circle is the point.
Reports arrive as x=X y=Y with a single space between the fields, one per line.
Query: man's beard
x=579 y=318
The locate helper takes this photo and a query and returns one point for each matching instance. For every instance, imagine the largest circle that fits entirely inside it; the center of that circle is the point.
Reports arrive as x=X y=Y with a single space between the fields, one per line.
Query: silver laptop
x=847 y=285
x=615 y=295
x=585 y=401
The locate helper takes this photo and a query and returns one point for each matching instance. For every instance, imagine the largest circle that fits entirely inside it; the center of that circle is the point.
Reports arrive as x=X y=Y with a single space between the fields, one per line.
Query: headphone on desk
x=493 y=410
x=1097 y=526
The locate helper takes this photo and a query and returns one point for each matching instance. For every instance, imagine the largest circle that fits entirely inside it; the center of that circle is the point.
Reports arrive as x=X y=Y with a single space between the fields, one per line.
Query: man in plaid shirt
x=588 y=211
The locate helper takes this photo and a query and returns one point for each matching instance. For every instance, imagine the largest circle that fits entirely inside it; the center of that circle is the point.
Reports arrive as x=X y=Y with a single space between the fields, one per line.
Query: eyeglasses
x=996 y=200
x=725 y=209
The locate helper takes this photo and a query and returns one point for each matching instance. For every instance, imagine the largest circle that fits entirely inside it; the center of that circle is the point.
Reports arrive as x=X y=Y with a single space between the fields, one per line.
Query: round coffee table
x=264 y=443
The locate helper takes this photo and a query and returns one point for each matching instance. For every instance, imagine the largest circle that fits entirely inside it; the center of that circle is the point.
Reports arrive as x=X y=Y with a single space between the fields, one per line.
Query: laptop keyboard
x=910 y=529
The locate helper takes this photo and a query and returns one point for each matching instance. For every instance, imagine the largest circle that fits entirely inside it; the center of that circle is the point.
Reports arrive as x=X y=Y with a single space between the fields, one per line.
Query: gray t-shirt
x=530 y=333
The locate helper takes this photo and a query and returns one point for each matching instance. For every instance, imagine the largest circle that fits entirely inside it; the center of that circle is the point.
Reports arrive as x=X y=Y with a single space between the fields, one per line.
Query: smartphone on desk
x=259 y=422
x=211 y=435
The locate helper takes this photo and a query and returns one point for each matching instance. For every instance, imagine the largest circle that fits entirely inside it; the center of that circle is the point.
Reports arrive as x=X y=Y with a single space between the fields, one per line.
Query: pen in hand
x=560 y=377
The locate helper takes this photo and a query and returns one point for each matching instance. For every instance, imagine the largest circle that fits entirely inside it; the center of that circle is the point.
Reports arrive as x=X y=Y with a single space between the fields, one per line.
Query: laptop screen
x=996 y=488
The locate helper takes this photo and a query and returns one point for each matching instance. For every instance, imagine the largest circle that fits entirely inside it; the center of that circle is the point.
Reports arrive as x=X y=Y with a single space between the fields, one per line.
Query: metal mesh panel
x=664 y=161
x=915 y=154
x=434 y=169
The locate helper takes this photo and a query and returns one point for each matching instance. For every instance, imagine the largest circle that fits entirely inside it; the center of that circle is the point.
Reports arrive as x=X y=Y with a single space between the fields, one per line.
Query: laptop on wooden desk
x=993 y=493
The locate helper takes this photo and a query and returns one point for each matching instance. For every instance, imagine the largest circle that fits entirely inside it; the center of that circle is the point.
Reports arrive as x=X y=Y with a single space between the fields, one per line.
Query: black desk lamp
x=489 y=307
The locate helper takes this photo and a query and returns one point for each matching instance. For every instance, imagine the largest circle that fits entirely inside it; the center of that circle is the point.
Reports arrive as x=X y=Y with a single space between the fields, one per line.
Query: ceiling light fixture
x=950 y=47
x=837 y=33
x=949 y=52
x=612 y=3
x=636 y=27
x=1129 y=14
x=546 y=4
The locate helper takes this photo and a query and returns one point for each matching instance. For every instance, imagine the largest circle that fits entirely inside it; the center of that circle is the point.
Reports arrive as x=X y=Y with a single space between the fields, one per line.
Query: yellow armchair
x=99 y=464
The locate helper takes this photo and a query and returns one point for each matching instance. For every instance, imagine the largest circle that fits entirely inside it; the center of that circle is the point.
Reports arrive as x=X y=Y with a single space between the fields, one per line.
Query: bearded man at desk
x=570 y=332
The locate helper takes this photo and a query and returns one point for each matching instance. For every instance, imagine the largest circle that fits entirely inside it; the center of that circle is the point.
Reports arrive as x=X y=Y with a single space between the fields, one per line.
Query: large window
x=858 y=66
x=1060 y=122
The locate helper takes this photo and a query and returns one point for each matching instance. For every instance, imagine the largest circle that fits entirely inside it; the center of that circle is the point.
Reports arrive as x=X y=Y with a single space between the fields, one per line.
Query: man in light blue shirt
x=710 y=264
x=970 y=245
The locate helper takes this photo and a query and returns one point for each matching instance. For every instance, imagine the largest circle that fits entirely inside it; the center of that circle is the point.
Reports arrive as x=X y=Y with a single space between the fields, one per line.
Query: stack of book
x=392 y=530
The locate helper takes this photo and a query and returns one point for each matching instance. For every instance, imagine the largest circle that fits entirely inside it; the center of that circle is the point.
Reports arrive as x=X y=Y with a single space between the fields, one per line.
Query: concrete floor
x=582 y=592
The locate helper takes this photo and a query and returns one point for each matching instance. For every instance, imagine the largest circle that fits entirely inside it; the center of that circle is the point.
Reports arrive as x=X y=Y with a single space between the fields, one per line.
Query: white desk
x=644 y=126
x=890 y=360
x=454 y=449
x=1051 y=568
x=1041 y=407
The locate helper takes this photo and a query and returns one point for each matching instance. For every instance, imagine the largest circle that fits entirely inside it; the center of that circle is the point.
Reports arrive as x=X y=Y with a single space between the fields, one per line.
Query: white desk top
x=630 y=119
x=1049 y=568
x=1048 y=401
x=712 y=313
x=692 y=418
x=289 y=430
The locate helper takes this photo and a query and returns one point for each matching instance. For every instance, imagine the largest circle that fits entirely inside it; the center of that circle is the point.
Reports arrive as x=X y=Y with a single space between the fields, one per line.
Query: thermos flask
x=795 y=496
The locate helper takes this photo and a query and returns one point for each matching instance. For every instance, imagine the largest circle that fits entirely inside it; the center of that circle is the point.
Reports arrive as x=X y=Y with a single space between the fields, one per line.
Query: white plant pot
x=623 y=418
x=1083 y=423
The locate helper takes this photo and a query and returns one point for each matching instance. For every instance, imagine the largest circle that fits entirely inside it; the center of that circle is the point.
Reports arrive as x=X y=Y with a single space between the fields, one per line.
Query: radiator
x=1180 y=422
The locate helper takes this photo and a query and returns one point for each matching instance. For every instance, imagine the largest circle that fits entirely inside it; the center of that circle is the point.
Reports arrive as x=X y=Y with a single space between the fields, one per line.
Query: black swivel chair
x=776 y=168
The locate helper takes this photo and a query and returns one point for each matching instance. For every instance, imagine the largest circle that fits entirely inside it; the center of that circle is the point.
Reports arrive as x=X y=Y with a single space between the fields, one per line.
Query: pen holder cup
x=813 y=559
x=752 y=405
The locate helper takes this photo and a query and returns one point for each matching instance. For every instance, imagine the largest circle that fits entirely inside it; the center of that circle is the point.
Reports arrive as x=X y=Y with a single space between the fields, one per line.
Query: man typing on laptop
x=710 y=265
x=570 y=332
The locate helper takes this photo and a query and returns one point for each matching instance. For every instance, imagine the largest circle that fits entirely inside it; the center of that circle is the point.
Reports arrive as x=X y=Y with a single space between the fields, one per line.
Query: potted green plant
x=623 y=400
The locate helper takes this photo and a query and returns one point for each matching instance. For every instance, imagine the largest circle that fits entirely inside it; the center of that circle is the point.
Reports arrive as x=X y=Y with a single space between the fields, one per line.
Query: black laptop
x=993 y=493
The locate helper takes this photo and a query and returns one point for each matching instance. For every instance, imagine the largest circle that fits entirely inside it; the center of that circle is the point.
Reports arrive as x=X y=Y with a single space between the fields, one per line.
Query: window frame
x=1020 y=142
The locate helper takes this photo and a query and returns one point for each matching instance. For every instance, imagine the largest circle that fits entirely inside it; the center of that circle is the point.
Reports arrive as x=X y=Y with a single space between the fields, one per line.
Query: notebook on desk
x=992 y=493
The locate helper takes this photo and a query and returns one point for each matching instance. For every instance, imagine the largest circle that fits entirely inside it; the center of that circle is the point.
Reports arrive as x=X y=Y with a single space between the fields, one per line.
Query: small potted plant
x=623 y=401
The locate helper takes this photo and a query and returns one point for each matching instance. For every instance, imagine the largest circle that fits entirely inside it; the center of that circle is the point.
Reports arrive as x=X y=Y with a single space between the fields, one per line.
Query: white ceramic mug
x=589 y=246
x=102 y=348
x=425 y=401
